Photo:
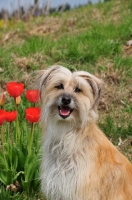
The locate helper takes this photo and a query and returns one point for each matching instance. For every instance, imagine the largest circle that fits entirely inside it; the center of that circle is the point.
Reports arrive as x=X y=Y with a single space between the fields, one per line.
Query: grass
x=4 y=195
x=91 y=38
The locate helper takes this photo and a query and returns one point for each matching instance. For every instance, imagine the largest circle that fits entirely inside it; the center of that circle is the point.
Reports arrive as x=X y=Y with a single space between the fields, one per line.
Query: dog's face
x=68 y=97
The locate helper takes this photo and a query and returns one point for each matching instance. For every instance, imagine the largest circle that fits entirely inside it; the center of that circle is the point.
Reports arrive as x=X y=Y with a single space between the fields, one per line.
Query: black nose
x=66 y=100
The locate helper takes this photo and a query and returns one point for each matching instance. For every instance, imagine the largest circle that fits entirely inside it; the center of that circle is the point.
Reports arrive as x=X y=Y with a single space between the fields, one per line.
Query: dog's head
x=68 y=97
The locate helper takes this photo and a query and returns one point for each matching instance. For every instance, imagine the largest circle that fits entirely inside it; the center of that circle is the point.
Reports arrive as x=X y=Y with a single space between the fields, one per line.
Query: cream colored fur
x=79 y=162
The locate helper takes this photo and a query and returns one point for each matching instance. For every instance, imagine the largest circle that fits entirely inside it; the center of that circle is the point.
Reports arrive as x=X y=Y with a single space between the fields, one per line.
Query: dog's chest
x=63 y=168
x=62 y=159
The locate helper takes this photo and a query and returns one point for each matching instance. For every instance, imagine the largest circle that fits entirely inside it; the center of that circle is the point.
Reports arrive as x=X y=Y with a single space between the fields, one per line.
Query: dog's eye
x=60 y=86
x=77 y=90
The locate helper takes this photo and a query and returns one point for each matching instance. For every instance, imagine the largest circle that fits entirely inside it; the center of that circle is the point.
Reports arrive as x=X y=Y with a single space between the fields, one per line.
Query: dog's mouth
x=64 y=111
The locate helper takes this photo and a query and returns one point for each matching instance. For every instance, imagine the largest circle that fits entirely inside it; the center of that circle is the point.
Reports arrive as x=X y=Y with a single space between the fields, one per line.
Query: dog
x=78 y=162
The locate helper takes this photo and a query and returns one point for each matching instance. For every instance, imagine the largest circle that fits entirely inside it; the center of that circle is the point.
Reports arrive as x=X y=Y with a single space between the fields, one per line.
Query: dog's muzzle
x=65 y=105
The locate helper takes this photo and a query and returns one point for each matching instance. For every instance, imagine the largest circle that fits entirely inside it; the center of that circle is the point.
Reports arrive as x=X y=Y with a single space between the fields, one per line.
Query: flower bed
x=20 y=137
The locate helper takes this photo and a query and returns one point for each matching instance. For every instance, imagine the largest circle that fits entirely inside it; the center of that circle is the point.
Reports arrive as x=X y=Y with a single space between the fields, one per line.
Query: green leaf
x=18 y=174
x=7 y=176
x=30 y=167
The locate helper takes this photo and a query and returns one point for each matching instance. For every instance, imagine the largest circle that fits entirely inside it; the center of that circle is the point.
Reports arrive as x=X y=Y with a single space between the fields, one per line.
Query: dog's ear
x=43 y=76
x=95 y=84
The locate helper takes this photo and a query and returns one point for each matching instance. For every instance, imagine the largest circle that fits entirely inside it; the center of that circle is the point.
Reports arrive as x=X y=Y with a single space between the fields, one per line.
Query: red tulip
x=10 y=116
x=2 y=116
x=15 y=89
x=33 y=114
x=32 y=96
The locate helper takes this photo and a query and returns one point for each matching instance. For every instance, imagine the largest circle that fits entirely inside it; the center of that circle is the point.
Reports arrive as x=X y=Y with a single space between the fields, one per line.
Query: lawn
x=94 y=38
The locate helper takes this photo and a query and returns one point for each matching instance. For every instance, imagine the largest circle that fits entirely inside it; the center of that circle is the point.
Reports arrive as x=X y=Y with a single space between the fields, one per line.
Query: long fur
x=79 y=162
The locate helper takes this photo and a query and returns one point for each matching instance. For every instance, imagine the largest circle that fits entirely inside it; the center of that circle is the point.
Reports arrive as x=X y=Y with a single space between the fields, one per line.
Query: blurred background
x=23 y=9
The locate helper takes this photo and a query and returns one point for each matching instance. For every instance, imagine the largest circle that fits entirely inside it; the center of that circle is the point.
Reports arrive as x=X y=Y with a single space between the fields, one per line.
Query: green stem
x=2 y=138
x=17 y=124
x=11 y=140
x=3 y=148
x=31 y=139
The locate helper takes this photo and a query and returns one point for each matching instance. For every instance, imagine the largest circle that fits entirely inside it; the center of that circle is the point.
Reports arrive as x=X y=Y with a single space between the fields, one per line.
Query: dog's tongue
x=64 y=111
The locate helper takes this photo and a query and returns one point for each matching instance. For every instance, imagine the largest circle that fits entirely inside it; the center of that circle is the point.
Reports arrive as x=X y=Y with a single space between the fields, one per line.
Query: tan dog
x=79 y=162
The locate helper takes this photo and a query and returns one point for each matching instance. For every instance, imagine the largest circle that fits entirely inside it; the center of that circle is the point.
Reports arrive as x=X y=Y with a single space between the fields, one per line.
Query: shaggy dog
x=79 y=162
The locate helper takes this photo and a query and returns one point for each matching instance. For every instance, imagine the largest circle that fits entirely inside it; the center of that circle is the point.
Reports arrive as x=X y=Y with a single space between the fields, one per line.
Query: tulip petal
x=15 y=89
x=32 y=95
x=33 y=114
